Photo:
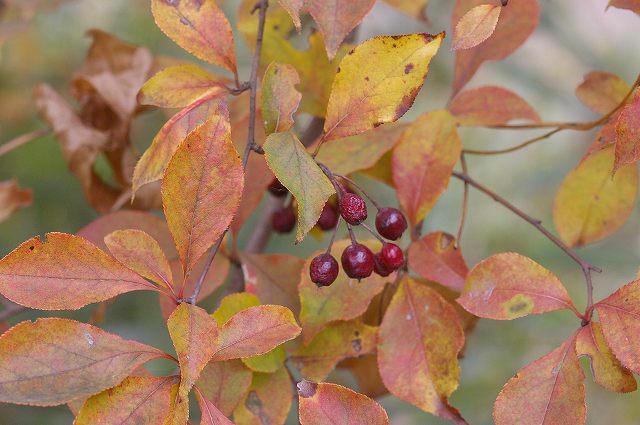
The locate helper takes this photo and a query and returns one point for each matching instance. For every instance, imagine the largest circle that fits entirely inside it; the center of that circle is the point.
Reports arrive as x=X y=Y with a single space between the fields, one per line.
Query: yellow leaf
x=280 y=99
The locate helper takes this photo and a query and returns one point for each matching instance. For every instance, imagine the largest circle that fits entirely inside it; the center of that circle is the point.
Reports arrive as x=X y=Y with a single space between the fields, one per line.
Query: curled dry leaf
x=490 y=105
x=436 y=257
x=280 y=99
x=602 y=91
x=367 y=92
x=476 y=26
x=12 y=198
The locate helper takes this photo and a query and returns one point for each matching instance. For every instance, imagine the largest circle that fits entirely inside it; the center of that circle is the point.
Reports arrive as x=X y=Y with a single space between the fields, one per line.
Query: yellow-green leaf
x=280 y=99
x=268 y=362
x=232 y=304
x=602 y=91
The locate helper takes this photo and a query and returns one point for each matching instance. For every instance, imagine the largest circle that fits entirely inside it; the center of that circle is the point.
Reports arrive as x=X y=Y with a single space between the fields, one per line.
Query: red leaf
x=435 y=257
x=210 y=413
x=633 y=5
x=628 y=134
x=489 y=106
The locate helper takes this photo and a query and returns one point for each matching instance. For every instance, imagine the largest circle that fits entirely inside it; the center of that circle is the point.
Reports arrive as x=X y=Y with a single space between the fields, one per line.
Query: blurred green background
x=574 y=37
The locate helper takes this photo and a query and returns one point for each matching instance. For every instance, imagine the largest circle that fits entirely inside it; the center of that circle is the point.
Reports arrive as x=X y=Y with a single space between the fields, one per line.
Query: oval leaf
x=280 y=99
x=476 y=26
x=489 y=106
x=435 y=257
x=602 y=91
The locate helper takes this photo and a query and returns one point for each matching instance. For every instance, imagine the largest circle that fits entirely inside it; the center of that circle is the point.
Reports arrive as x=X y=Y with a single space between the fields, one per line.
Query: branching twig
x=22 y=140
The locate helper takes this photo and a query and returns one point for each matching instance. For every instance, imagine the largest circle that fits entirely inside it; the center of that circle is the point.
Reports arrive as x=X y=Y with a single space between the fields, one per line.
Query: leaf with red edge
x=293 y=8
x=53 y=361
x=436 y=257
x=628 y=134
x=517 y=21
x=280 y=99
x=507 y=286
x=12 y=198
x=419 y=341
x=548 y=391
x=476 y=26
x=605 y=368
x=210 y=413
x=602 y=91
x=367 y=92
x=137 y=399
x=142 y=254
x=225 y=384
x=334 y=404
x=268 y=401
x=345 y=299
x=65 y=272
x=490 y=105
x=423 y=160
x=255 y=331
x=199 y=27
x=201 y=189
x=618 y=315
x=633 y=5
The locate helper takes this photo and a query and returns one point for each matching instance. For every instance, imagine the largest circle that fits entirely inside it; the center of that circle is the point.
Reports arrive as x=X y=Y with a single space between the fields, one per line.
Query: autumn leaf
x=476 y=26
x=137 y=399
x=142 y=254
x=413 y=8
x=180 y=85
x=418 y=345
x=201 y=189
x=633 y=5
x=64 y=272
x=280 y=99
x=548 y=391
x=12 y=198
x=268 y=400
x=367 y=93
x=489 y=106
x=255 y=331
x=365 y=371
x=268 y=362
x=591 y=204
x=606 y=369
x=210 y=413
x=628 y=134
x=225 y=384
x=233 y=304
x=325 y=403
x=517 y=22
x=423 y=160
x=435 y=257
x=53 y=361
x=199 y=27
x=602 y=91
x=298 y=172
x=293 y=8
x=345 y=299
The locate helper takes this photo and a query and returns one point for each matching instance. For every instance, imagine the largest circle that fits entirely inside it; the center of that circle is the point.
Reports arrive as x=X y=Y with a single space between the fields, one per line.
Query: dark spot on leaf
x=276 y=27
x=174 y=3
x=427 y=37
x=306 y=388
x=198 y=3
x=31 y=248
x=445 y=241
x=357 y=345
x=351 y=52
x=396 y=37
x=184 y=21
x=356 y=333
x=275 y=71
x=366 y=78
x=515 y=308
x=338 y=70
x=408 y=67
x=254 y=405
x=394 y=45
x=377 y=124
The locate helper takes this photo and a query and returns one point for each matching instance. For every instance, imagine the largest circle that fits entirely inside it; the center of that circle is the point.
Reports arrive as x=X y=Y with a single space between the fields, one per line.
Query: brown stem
x=586 y=267
x=22 y=140
x=465 y=202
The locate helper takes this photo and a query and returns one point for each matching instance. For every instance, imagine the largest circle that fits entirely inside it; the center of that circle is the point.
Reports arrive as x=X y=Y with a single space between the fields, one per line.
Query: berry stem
x=351 y=234
x=333 y=235
x=375 y=234
x=357 y=186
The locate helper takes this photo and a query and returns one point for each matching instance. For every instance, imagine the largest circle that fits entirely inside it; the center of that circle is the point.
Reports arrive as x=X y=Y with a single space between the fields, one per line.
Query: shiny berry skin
x=379 y=267
x=352 y=208
x=357 y=261
x=392 y=256
x=390 y=223
x=323 y=269
x=283 y=220
x=277 y=189
x=328 y=218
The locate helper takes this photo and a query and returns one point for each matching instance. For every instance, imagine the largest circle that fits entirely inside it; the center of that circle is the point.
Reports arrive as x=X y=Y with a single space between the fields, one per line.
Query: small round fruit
x=283 y=220
x=277 y=189
x=353 y=208
x=392 y=256
x=323 y=269
x=390 y=223
x=357 y=261
x=379 y=267
x=328 y=218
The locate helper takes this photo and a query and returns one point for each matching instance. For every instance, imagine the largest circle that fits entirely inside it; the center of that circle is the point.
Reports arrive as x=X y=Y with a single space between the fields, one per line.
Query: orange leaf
x=137 y=399
x=602 y=91
x=423 y=160
x=53 y=361
x=435 y=257
x=142 y=254
x=633 y=5
x=628 y=134
x=419 y=341
x=476 y=26
x=199 y=27
x=268 y=401
x=618 y=315
x=367 y=93
x=508 y=286
x=490 y=105
x=65 y=272
x=201 y=189
x=225 y=384
x=280 y=99
x=606 y=369
x=210 y=413
x=548 y=391
x=323 y=403
x=255 y=331
x=517 y=21
x=12 y=198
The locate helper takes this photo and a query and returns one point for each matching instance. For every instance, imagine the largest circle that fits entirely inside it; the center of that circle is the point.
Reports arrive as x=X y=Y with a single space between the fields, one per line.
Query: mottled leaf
x=12 y=198
x=225 y=384
x=423 y=160
x=64 y=272
x=602 y=91
x=476 y=26
x=211 y=415
x=490 y=105
x=53 y=361
x=628 y=134
x=298 y=172
x=436 y=257
x=418 y=345
x=280 y=99
x=268 y=400
x=591 y=204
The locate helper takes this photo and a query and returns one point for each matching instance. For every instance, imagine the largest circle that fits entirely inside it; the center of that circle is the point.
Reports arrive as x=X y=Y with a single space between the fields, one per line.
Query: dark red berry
x=323 y=269
x=357 y=261
x=390 y=223
x=328 y=218
x=379 y=267
x=283 y=220
x=352 y=208
x=277 y=189
x=392 y=256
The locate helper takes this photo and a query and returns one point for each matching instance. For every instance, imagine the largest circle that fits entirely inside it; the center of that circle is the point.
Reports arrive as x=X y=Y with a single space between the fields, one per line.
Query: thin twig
x=22 y=140
x=465 y=202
